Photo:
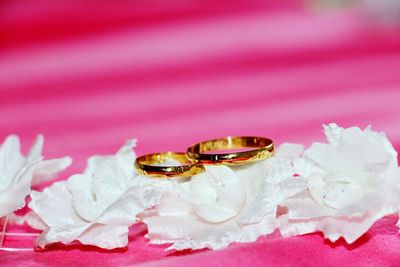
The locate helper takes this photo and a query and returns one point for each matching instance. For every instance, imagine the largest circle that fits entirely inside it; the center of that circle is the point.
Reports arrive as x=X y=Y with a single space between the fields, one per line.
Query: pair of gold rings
x=233 y=151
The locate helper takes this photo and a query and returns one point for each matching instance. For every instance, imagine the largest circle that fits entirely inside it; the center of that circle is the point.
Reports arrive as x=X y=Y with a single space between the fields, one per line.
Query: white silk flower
x=223 y=204
x=95 y=207
x=18 y=173
x=352 y=181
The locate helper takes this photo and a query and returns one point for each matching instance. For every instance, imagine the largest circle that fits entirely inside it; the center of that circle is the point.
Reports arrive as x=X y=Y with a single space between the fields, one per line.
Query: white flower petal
x=332 y=227
x=288 y=227
x=109 y=182
x=186 y=230
x=111 y=175
x=36 y=149
x=63 y=235
x=332 y=133
x=306 y=208
x=208 y=238
x=48 y=169
x=275 y=183
x=332 y=159
x=13 y=197
x=368 y=149
x=200 y=235
x=290 y=187
x=34 y=220
x=11 y=161
x=83 y=200
x=173 y=205
x=172 y=227
x=251 y=232
x=288 y=150
x=54 y=206
x=218 y=194
x=105 y=236
x=132 y=202
x=306 y=168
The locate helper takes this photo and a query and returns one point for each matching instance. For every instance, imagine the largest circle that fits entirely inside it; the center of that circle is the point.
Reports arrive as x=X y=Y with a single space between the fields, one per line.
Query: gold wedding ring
x=153 y=165
x=258 y=148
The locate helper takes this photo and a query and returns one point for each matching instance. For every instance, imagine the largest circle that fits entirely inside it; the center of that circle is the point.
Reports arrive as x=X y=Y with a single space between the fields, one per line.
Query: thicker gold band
x=145 y=165
x=259 y=148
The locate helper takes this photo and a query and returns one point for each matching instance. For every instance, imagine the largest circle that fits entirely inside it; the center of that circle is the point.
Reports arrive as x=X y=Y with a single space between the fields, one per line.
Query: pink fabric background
x=89 y=75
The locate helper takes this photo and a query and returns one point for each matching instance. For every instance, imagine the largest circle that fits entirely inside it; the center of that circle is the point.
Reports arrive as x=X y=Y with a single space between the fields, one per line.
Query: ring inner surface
x=161 y=158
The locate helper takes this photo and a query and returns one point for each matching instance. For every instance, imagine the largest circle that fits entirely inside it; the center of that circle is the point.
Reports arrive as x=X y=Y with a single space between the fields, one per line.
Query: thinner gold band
x=259 y=148
x=145 y=165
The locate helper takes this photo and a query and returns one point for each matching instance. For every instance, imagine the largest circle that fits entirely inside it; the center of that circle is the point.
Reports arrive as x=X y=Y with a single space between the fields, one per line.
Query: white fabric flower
x=18 y=173
x=96 y=207
x=223 y=204
x=352 y=182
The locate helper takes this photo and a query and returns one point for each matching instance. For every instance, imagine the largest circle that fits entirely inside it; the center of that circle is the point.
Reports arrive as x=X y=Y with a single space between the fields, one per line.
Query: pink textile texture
x=90 y=74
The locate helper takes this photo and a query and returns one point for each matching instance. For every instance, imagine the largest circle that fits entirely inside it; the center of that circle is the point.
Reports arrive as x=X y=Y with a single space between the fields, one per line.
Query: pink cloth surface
x=88 y=76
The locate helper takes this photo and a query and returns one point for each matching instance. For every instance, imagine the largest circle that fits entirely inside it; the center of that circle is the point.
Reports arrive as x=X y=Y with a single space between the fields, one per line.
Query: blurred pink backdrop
x=90 y=74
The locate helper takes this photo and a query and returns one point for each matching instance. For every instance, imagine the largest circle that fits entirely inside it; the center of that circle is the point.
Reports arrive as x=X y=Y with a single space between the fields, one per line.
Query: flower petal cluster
x=224 y=204
x=18 y=172
x=95 y=207
x=352 y=181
